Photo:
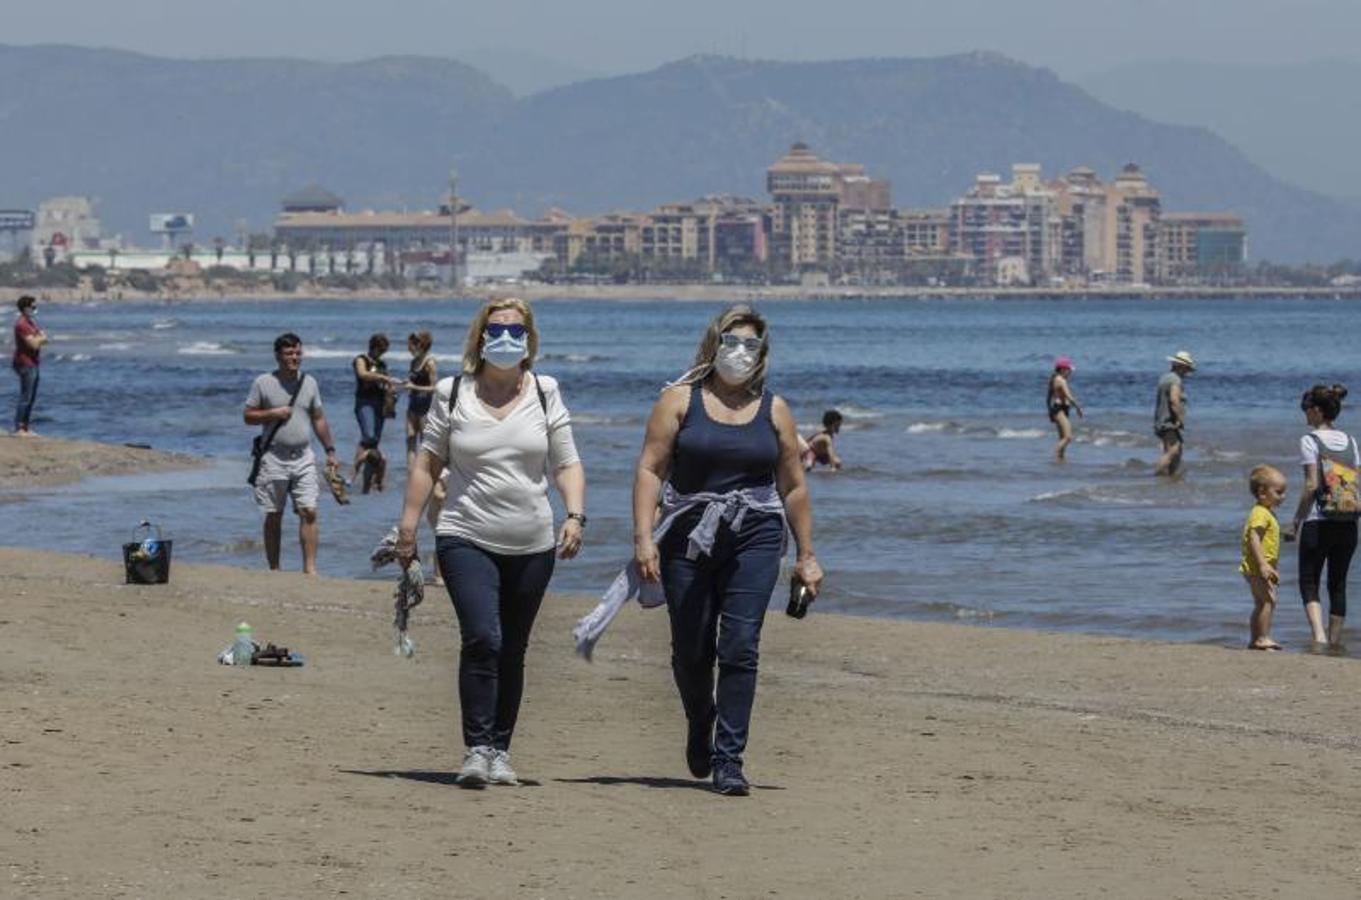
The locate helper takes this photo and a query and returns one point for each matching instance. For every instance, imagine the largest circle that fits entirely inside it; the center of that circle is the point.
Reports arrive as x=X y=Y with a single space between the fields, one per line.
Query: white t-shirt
x=1333 y=440
x=497 y=471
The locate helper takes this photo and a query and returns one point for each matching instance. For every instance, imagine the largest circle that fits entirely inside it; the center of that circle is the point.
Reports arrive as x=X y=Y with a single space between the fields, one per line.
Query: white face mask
x=505 y=352
x=735 y=364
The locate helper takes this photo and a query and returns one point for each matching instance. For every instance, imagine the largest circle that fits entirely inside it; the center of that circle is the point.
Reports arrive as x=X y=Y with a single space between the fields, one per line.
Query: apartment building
x=1010 y=229
x=1195 y=247
x=808 y=195
x=1130 y=230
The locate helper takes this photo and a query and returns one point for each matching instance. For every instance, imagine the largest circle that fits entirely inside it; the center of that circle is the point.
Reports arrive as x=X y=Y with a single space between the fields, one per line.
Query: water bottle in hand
x=243 y=648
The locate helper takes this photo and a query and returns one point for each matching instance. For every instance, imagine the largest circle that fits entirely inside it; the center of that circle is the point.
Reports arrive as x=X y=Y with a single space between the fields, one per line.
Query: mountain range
x=226 y=139
x=1301 y=121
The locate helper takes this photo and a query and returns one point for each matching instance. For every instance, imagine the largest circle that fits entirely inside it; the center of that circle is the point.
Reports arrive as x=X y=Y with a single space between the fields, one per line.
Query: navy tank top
x=713 y=457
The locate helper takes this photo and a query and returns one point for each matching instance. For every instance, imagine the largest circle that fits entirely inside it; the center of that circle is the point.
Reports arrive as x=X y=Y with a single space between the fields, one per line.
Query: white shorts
x=284 y=473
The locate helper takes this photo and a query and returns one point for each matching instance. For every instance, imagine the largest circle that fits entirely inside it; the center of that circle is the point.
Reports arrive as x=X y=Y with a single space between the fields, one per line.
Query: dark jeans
x=1333 y=543
x=28 y=393
x=370 y=416
x=496 y=598
x=718 y=605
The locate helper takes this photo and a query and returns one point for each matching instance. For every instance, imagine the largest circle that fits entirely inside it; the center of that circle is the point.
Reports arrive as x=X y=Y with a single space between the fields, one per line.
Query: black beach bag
x=146 y=558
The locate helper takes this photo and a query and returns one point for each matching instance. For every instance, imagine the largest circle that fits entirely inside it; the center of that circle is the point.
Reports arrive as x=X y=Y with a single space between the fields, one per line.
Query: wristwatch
x=329 y=449
x=580 y=517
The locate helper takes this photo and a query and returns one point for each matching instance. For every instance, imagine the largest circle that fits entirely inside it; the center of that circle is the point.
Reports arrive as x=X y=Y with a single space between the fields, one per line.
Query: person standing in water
x=1325 y=518
x=371 y=384
x=1062 y=399
x=1169 y=414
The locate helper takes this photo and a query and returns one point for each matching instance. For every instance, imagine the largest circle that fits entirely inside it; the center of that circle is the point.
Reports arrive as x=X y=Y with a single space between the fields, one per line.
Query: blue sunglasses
x=495 y=330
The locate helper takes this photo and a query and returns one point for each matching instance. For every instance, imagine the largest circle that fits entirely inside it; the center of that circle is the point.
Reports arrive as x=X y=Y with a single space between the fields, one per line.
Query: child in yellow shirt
x=1262 y=553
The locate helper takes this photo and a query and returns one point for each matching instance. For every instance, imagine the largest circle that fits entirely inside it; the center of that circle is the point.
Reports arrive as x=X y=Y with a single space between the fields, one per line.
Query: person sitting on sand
x=817 y=448
x=1327 y=535
x=1262 y=553
x=286 y=404
x=371 y=385
x=1060 y=400
x=28 y=344
x=1169 y=413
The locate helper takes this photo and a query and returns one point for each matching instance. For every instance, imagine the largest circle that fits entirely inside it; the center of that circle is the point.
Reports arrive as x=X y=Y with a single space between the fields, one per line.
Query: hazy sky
x=1072 y=36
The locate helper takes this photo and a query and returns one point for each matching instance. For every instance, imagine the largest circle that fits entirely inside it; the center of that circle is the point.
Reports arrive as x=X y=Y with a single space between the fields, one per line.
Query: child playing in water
x=1262 y=553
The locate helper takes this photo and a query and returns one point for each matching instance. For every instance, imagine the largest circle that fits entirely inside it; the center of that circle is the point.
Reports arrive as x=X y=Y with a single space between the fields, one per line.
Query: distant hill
x=1301 y=121
x=227 y=139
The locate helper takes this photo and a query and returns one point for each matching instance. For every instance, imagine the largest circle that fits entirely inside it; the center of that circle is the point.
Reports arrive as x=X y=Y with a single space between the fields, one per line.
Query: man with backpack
x=286 y=404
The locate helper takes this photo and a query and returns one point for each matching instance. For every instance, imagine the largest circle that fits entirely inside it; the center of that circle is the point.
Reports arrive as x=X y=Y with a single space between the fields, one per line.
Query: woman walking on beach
x=721 y=456
x=1325 y=519
x=1061 y=399
x=371 y=384
x=500 y=430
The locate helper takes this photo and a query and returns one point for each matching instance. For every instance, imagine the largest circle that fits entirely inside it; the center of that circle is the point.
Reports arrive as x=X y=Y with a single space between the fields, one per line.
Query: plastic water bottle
x=243 y=648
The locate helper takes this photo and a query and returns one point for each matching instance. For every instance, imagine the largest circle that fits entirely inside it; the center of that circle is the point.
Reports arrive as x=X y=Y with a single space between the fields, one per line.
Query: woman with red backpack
x=1325 y=519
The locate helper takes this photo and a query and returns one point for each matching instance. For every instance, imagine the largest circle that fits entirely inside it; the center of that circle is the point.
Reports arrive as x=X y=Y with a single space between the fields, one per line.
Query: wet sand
x=891 y=759
x=46 y=461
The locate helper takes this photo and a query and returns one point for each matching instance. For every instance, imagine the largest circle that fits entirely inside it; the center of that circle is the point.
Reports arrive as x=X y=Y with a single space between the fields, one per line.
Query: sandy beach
x=891 y=759
x=45 y=461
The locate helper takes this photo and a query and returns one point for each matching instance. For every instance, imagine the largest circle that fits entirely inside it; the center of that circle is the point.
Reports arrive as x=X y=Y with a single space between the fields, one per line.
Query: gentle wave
x=592 y=419
x=209 y=348
x=164 y=324
x=1027 y=434
x=928 y=427
x=1097 y=495
x=853 y=412
x=73 y=357
x=116 y=345
x=573 y=357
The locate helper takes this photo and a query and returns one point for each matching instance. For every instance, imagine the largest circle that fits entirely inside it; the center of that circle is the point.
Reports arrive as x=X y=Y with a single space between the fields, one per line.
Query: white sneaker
x=499 y=770
x=476 y=767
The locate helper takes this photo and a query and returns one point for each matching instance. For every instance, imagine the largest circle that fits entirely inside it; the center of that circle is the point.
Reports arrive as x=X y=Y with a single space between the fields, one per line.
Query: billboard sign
x=16 y=220
x=170 y=223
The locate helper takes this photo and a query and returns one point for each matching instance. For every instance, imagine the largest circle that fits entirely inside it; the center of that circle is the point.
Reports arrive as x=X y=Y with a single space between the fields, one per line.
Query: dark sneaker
x=699 y=747
x=729 y=780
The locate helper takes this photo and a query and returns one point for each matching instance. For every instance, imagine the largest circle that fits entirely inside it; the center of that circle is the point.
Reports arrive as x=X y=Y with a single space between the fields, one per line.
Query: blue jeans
x=718 y=605
x=496 y=598
x=28 y=394
x=370 y=416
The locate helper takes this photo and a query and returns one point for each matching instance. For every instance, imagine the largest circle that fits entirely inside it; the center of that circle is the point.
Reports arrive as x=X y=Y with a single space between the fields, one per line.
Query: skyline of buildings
x=824 y=222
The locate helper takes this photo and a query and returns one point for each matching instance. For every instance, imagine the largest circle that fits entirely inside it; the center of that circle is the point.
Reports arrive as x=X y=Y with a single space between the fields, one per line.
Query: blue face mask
x=505 y=351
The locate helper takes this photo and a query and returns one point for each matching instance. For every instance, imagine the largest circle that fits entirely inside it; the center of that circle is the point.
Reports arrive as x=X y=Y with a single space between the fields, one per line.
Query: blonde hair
x=728 y=319
x=1263 y=476
x=472 y=346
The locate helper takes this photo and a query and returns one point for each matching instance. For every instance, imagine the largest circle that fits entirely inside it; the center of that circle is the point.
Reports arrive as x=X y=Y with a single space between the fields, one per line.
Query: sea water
x=950 y=507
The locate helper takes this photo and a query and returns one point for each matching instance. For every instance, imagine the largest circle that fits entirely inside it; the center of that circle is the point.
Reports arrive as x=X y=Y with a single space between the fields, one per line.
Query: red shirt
x=25 y=358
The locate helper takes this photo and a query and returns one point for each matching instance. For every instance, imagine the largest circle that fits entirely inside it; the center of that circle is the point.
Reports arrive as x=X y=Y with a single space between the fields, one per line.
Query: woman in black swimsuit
x=420 y=384
x=1061 y=399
